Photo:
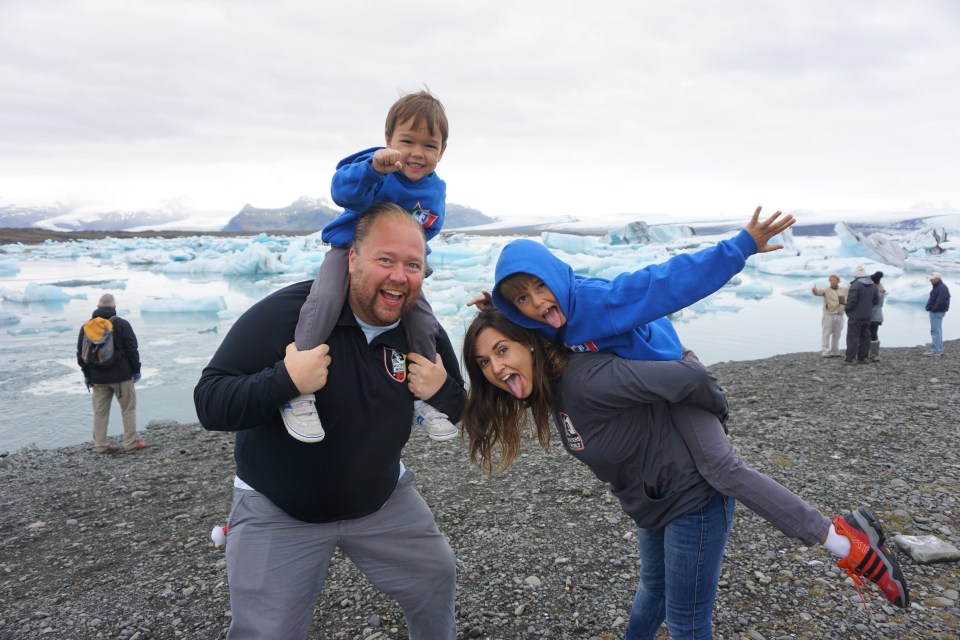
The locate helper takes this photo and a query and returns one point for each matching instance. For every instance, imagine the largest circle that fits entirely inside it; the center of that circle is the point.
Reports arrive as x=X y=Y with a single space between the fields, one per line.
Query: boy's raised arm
x=761 y=232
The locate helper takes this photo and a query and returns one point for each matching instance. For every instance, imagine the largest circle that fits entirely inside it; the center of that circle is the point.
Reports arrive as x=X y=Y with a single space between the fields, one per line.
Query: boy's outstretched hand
x=763 y=231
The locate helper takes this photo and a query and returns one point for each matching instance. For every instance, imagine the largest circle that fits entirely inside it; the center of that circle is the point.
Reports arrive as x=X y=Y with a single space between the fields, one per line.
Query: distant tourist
x=938 y=304
x=295 y=503
x=402 y=172
x=861 y=298
x=876 y=317
x=832 y=324
x=108 y=355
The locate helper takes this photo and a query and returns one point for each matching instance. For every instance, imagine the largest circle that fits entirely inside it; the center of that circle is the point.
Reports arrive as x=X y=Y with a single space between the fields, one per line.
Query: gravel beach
x=99 y=546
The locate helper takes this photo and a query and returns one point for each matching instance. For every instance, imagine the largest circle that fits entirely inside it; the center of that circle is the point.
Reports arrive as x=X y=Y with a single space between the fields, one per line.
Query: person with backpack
x=110 y=360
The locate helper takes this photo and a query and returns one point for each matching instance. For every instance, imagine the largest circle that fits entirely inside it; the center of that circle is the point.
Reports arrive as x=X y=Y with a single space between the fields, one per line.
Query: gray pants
x=276 y=564
x=320 y=312
x=103 y=395
x=724 y=471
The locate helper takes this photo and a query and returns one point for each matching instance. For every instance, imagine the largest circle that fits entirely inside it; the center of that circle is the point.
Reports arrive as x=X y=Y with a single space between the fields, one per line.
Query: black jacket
x=365 y=407
x=861 y=299
x=125 y=340
x=939 y=298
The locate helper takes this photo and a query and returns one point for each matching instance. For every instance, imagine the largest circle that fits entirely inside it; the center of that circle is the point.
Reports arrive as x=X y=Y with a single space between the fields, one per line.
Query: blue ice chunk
x=9 y=268
x=8 y=318
x=212 y=304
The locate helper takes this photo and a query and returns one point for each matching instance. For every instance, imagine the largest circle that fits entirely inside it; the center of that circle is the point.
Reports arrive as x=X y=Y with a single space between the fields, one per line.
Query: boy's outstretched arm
x=761 y=232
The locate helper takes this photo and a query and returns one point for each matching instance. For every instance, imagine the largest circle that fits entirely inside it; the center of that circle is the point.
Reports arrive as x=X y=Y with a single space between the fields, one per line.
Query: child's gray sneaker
x=435 y=423
x=301 y=419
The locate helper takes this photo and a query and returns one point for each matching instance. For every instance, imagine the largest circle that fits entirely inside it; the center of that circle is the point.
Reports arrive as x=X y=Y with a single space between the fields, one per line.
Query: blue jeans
x=679 y=572
x=936 y=331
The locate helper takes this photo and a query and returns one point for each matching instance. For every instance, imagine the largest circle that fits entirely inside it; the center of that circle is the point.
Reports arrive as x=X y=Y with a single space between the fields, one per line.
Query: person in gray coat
x=652 y=430
x=876 y=318
x=861 y=299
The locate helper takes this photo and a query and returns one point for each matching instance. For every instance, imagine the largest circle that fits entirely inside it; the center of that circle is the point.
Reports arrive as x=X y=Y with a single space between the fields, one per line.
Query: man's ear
x=351 y=260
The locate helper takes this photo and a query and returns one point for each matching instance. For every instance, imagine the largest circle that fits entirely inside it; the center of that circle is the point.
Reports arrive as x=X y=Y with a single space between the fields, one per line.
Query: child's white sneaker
x=301 y=419
x=435 y=423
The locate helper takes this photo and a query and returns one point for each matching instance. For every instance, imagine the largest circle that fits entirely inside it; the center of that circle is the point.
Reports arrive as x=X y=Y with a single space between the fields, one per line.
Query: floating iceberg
x=9 y=268
x=255 y=259
x=876 y=246
x=8 y=318
x=39 y=293
x=641 y=233
x=214 y=304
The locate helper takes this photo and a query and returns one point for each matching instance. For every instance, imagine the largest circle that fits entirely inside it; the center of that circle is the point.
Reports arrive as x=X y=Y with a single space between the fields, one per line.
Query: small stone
x=532 y=581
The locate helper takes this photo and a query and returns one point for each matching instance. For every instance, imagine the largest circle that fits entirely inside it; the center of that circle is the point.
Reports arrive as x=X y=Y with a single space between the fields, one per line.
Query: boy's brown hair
x=514 y=284
x=424 y=108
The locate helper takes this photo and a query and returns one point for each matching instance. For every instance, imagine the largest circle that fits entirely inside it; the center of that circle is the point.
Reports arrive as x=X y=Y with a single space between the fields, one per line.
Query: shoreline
x=118 y=546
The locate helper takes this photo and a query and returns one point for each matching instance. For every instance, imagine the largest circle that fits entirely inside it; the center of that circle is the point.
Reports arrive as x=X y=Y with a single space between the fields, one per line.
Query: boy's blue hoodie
x=625 y=316
x=356 y=187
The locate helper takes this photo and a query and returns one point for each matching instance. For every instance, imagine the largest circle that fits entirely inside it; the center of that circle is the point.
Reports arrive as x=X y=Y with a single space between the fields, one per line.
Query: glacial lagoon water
x=43 y=401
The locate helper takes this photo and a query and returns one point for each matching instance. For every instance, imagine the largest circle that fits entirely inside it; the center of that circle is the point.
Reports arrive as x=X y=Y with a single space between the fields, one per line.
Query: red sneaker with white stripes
x=868 y=559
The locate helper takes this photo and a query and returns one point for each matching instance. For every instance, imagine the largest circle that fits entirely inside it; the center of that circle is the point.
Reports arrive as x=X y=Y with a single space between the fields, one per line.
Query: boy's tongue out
x=553 y=318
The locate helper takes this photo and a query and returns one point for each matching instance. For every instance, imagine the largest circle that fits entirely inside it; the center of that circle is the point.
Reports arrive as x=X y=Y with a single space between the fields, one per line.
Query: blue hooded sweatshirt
x=356 y=187
x=625 y=316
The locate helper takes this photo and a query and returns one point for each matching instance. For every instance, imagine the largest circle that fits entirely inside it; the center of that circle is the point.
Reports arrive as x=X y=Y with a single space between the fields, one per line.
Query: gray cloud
x=555 y=107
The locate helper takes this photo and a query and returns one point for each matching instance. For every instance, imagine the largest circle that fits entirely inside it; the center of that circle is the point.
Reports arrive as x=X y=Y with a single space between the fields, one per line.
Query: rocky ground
x=95 y=546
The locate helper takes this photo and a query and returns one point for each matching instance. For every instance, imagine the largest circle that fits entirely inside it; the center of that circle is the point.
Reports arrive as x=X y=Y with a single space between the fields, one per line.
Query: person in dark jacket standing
x=876 y=319
x=294 y=503
x=938 y=304
x=861 y=298
x=116 y=380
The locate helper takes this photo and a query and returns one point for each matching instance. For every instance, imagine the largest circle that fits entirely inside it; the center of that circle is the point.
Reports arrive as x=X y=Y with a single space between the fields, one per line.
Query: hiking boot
x=933 y=353
x=110 y=448
x=136 y=446
x=868 y=558
x=301 y=419
x=849 y=362
x=435 y=423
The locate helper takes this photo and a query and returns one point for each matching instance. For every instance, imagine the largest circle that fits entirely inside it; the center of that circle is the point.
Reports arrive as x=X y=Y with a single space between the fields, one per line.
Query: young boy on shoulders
x=401 y=172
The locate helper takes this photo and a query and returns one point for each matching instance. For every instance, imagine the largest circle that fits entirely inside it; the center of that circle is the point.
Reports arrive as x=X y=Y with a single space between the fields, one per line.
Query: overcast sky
x=699 y=109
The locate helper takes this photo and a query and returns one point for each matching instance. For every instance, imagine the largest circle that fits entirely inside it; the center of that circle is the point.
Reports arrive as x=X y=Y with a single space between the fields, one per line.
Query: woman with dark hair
x=876 y=318
x=670 y=465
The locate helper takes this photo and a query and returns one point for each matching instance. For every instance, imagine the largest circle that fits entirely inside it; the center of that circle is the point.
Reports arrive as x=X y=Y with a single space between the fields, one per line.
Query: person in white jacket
x=834 y=297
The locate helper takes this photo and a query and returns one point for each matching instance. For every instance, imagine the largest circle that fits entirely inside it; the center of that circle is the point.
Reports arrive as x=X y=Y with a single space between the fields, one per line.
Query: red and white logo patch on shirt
x=395 y=362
